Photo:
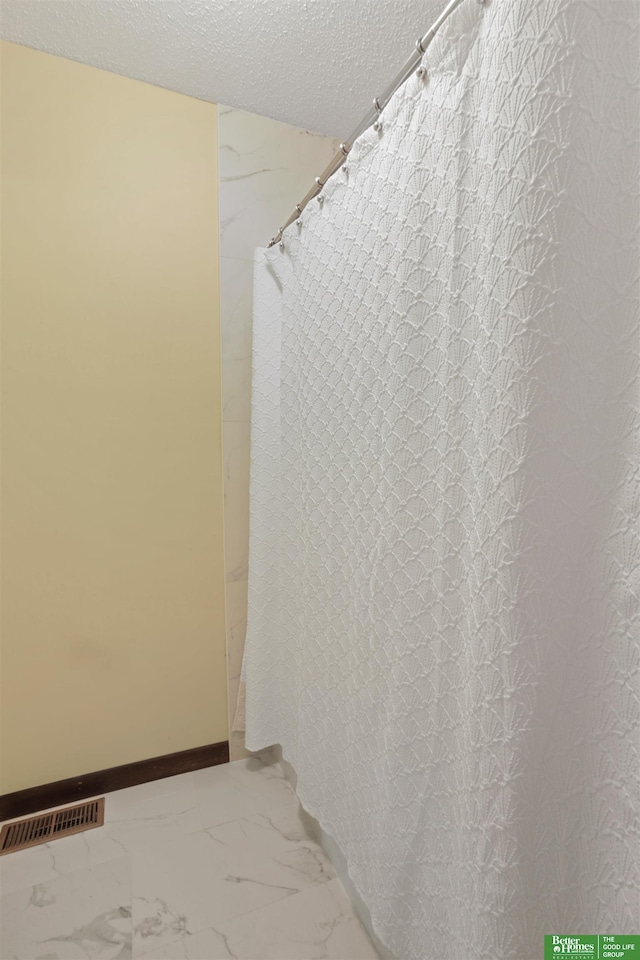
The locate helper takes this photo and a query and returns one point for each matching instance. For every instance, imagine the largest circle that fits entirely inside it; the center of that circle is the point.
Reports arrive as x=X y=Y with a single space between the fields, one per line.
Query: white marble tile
x=236 y=313
x=265 y=168
x=236 y=390
x=203 y=945
x=85 y=914
x=147 y=813
x=200 y=881
x=233 y=687
x=236 y=450
x=179 y=893
x=316 y=924
x=236 y=307
x=60 y=857
x=237 y=749
x=151 y=813
x=270 y=833
x=36 y=865
x=240 y=789
x=226 y=871
x=236 y=593
x=280 y=835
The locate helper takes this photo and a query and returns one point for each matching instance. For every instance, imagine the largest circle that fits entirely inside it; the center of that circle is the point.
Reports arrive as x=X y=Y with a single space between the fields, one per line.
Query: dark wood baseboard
x=61 y=792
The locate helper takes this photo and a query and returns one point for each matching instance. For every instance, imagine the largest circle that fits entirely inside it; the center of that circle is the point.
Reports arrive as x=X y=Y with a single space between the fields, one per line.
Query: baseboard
x=61 y=792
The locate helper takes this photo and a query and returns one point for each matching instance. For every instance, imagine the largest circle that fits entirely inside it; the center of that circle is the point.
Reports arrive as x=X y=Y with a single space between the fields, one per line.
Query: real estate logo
x=583 y=946
x=596 y=947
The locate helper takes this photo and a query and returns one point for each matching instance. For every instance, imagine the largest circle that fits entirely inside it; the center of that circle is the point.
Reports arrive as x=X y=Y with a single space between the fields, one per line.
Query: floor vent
x=49 y=826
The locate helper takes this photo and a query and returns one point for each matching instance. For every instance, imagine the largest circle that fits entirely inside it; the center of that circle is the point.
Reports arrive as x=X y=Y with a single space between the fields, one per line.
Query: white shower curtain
x=444 y=541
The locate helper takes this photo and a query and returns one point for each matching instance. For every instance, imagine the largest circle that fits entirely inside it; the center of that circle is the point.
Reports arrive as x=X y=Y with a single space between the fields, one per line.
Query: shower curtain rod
x=370 y=118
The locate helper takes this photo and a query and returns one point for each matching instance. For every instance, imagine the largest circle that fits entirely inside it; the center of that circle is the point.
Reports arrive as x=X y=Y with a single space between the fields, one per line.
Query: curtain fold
x=443 y=581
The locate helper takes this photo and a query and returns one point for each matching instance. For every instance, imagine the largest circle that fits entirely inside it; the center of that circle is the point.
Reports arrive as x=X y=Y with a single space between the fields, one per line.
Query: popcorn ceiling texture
x=312 y=63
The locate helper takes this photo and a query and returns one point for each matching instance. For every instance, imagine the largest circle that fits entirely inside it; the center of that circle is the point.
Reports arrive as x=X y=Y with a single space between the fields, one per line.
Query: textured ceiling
x=313 y=63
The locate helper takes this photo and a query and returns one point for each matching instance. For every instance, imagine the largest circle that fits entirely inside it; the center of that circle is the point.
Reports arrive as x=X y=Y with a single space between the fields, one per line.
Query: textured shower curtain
x=444 y=528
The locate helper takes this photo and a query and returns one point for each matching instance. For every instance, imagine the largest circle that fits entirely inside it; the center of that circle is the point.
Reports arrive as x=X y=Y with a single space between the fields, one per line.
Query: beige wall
x=113 y=644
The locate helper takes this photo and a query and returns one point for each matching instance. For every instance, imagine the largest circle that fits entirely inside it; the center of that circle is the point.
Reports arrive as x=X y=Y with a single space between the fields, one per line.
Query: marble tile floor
x=210 y=865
